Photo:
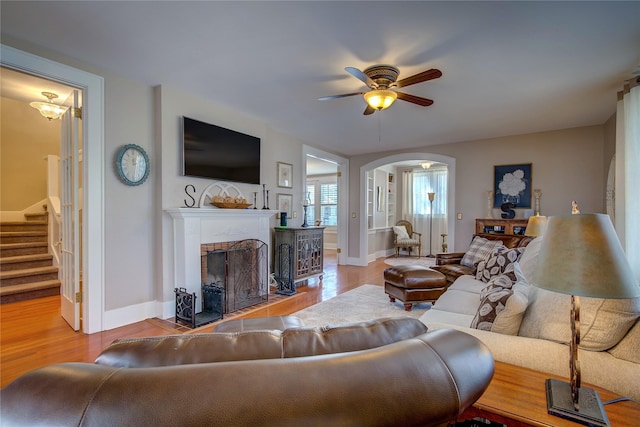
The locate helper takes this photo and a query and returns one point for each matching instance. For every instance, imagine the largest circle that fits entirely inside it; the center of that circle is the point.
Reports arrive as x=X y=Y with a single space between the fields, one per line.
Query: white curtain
x=432 y=180
x=407 y=196
x=628 y=172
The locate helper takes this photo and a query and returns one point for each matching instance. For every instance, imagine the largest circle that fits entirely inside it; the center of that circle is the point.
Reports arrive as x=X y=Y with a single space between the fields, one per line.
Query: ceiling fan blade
x=419 y=78
x=414 y=99
x=369 y=110
x=361 y=76
x=324 y=98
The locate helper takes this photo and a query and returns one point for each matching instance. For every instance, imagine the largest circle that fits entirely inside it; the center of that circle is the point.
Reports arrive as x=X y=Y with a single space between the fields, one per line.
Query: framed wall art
x=512 y=184
x=285 y=175
x=284 y=202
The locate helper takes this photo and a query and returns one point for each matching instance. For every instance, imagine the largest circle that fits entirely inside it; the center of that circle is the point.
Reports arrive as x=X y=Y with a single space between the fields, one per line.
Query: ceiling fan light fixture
x=380 y=99
x=49 y=109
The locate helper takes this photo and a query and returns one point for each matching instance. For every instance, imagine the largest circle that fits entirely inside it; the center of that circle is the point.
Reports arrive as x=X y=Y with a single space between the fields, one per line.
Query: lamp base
x=560 y=404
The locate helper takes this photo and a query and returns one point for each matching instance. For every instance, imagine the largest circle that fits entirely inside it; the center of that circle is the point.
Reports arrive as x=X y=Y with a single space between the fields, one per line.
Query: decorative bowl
x=223 y=205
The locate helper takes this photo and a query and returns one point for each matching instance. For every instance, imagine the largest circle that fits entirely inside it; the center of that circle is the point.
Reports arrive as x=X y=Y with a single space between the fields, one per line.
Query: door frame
x=93 y=233
x=343 y=194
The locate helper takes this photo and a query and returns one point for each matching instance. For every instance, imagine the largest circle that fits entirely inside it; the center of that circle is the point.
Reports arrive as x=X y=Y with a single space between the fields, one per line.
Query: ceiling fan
x=381 y=79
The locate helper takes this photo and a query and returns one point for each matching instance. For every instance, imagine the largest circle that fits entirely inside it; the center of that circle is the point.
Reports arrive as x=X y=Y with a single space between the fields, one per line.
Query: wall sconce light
x=49 y=109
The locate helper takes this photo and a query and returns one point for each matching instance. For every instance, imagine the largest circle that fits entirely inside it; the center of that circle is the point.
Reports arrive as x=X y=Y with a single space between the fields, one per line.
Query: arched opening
x=372 y=223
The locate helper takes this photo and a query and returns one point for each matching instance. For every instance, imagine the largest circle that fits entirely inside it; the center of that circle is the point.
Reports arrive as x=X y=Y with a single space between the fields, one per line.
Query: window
x=329 y=203
x=433 y=180
x=323 y=197
x=311 y=210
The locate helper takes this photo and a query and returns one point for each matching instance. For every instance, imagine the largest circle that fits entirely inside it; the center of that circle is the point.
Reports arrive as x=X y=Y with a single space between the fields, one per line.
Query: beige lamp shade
x=581 y=255
x=536 y=226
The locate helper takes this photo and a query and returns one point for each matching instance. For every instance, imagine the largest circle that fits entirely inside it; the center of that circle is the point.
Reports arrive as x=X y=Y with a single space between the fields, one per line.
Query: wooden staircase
x=26 y=268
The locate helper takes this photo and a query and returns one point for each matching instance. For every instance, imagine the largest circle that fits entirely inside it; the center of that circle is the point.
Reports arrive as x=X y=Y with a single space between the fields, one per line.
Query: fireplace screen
x=241 y=268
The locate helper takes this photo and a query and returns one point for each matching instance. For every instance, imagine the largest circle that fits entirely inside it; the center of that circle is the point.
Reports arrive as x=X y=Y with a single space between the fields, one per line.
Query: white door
x=70 y=301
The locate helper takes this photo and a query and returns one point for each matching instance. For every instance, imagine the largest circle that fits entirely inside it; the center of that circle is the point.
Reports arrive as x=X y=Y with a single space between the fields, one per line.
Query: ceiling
x=508 y=67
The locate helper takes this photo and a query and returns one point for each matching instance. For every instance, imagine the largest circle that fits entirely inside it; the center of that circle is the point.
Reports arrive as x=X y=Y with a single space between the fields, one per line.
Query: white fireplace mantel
x=195 y=226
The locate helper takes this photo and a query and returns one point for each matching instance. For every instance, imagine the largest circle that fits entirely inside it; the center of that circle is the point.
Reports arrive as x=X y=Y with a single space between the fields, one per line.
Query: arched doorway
x=397 y=158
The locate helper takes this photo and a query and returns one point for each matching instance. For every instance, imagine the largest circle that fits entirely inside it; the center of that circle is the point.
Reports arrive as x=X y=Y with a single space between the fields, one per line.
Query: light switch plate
x=459 y=215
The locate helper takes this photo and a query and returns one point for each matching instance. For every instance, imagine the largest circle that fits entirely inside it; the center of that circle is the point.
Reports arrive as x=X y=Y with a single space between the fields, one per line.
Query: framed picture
x=284 y=202
x=512 y=184
x=285 y=175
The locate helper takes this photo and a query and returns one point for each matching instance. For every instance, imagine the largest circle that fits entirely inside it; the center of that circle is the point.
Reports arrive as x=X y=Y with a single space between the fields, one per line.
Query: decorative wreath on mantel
x=223 y=195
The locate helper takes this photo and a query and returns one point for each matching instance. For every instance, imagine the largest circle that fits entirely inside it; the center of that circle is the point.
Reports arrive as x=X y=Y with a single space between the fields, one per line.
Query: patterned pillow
x=479 y=250
x=508 y=321
x=501 y=261
x=493 y=301
x=496 y=283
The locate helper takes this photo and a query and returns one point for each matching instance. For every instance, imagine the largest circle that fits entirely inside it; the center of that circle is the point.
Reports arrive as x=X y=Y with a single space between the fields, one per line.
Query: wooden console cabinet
x=305 y=259
x=501 y=226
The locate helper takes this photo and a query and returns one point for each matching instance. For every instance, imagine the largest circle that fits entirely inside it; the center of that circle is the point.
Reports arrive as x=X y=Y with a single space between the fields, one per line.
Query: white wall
x=171 y=105
x=137 y=284
x=566 y=165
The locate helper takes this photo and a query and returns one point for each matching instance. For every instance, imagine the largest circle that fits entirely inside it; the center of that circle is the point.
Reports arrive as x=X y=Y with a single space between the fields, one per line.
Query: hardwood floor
x=33 y=333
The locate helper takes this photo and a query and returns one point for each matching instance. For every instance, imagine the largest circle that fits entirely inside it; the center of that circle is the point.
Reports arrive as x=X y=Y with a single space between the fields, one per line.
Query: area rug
x=365 y=302
x=423 y=261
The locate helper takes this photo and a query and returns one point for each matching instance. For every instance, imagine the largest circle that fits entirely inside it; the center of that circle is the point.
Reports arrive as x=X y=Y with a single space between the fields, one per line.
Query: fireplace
x=193 y=227
x=241 y=268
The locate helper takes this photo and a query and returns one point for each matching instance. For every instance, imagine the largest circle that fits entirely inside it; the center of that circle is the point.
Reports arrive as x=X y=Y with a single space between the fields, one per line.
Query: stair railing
x=53 y=207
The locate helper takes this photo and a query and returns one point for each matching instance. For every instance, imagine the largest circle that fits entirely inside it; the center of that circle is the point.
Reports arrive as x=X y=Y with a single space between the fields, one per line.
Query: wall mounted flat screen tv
x=211 y=151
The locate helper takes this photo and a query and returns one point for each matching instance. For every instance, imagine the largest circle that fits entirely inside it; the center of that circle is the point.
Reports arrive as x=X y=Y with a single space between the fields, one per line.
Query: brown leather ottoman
x=279 y=323
x=412 y=284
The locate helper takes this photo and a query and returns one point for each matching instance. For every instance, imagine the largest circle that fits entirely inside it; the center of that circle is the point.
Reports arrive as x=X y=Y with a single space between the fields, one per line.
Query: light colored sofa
x=538 y=337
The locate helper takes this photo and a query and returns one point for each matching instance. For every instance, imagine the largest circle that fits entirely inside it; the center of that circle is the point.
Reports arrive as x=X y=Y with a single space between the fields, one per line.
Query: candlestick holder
x=264 y=196
x=537 y=194
x=255 y=200
x=304 y=222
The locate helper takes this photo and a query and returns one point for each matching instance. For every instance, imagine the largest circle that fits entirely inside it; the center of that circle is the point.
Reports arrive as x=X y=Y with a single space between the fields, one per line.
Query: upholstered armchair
x=405 y=237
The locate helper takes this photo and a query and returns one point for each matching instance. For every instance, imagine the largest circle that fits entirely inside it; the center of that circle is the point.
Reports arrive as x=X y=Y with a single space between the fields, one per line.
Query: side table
x=516 y=397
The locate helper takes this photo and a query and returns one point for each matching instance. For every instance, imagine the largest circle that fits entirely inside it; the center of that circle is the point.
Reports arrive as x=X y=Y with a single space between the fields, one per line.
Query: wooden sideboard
x=299 y=256
x=501 y=226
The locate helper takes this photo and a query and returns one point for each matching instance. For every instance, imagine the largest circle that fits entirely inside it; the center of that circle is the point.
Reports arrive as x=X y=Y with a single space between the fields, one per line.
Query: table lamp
x=581 y=255
x=536 y=226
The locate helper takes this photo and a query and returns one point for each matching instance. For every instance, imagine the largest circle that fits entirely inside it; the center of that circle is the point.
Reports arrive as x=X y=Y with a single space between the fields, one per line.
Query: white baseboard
x=130 y=314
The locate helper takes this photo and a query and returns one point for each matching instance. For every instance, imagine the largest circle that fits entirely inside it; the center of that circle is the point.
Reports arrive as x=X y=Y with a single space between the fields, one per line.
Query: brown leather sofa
x=351 y=375
x=449 y=263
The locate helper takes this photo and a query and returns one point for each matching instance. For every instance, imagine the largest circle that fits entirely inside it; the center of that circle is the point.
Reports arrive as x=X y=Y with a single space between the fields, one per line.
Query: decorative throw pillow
x=498 y=282
x=493 y=302
x=479 y=250
x=500 y=262
x=529 y=259
x=508 y=320
x=627 y=349
x=603 y=322
x=401 y=232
